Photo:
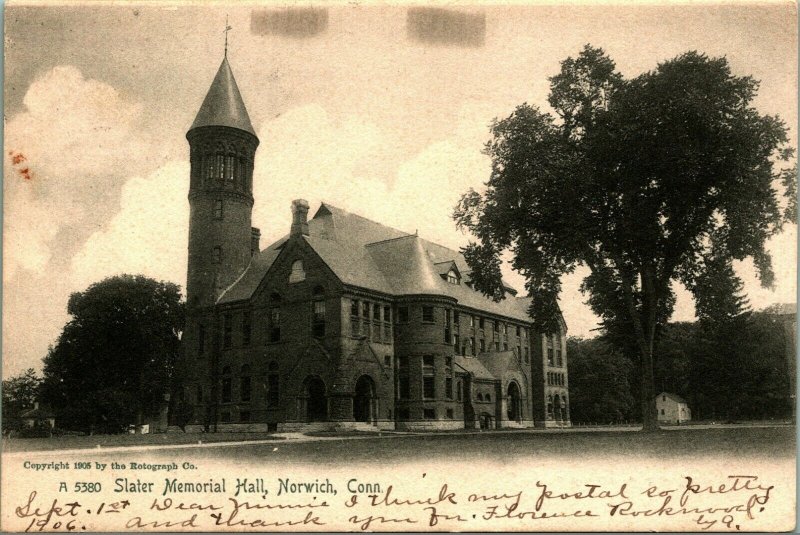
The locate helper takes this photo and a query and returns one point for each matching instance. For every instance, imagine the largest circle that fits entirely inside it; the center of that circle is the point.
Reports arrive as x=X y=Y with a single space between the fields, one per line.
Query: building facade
x=672 y=409
x=343 y=322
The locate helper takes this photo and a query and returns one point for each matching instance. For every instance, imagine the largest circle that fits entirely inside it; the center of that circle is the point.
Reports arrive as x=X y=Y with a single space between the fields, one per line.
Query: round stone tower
x=222 y=149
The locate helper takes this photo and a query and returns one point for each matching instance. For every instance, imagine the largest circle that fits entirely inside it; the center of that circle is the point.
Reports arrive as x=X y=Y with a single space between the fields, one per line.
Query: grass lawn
x=730 y=442
x=109 y=441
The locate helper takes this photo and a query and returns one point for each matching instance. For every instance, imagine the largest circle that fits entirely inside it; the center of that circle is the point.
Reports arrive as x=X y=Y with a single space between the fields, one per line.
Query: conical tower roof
x=223 y=105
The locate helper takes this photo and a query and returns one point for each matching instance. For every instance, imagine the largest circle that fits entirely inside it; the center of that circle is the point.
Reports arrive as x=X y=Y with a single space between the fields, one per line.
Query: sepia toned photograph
x=422 y=266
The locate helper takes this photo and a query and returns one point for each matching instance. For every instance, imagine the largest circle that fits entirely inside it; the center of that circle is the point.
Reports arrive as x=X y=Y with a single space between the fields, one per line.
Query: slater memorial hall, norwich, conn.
x=343 y=323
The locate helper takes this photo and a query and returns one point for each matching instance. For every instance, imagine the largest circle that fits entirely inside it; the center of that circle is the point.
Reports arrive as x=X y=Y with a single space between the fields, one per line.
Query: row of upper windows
x=469 y=347
x=556 y=379
x=319 y=322
x=452 y=319
x=245 y=385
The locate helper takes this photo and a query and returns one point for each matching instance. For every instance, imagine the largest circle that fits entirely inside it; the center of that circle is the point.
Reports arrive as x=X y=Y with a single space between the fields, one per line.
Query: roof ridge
x=391 y=239
x=329 y=205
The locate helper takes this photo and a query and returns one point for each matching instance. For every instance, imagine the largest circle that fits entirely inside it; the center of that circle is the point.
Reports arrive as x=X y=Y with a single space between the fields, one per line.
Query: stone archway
x=364 y=399
x=513 y=403
x=316 y=400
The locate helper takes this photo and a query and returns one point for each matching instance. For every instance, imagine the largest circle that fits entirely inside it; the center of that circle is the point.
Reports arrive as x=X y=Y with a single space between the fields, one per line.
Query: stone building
x=343 y=322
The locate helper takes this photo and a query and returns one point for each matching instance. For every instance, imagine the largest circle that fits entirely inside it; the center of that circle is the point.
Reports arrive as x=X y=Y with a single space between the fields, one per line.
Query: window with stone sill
x=427 y=314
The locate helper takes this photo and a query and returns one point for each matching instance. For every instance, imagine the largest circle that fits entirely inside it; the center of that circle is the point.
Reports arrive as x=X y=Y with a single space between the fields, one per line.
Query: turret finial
x=226 y=30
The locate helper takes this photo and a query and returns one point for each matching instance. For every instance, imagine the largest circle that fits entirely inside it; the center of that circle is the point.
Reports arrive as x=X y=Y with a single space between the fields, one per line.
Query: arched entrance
x=363 y=400
x=513 y=405
x=316 y=400
x=557 y=407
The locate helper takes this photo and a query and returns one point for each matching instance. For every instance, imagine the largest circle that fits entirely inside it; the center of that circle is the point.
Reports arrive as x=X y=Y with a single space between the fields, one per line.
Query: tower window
x=220 y=166
x=229 y=168
x=428 y=377
x=402 y=314
x=427 y=314
x=218 y=209
x=216 y=254
x=403 y=383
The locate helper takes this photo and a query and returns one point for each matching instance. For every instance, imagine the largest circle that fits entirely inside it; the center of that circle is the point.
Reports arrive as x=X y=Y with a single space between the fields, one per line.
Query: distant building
x=672 y=409
x=343 y=322
x=38 y=417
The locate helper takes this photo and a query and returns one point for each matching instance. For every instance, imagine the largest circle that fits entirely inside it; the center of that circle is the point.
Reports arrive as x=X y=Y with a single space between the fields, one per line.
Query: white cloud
x=66 y=150
x=148 y=235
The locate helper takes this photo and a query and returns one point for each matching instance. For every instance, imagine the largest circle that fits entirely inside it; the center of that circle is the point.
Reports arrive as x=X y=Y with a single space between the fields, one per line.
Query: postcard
x=399 y=266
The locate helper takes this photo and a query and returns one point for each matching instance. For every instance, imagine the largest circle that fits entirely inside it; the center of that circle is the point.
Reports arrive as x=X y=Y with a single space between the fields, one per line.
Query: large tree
x=646 y=181
x=115 y=358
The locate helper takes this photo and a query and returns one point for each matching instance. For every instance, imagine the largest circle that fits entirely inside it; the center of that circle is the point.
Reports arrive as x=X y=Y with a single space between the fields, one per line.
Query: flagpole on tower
x=227 y=29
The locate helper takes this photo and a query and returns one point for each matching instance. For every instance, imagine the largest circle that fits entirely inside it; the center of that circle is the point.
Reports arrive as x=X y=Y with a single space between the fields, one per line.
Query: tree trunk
x=644 y=323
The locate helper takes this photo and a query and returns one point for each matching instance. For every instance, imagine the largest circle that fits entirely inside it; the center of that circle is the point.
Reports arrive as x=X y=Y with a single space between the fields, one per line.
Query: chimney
x=299 y=217
x=255 y=240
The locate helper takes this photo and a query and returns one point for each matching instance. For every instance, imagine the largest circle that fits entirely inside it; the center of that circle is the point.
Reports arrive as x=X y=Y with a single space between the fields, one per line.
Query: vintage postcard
x=399 y=266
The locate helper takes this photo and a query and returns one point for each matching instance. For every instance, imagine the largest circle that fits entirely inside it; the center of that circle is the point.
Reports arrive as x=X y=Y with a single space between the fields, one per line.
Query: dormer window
x=452 y=277
x=298 y=273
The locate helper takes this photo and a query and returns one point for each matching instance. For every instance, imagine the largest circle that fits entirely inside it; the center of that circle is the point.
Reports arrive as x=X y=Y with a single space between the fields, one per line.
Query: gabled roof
x=368 y=255
x=498 y=362
x=223 y=105
x=673 y=397
x=474 y=366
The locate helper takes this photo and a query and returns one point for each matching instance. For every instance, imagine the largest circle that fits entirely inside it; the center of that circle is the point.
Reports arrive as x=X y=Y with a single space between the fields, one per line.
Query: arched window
x=298 y=273
x=273 y=385
x=220 y=166
x=480 y=396
x=318 y=310
x=229 y=168
x=488 y=397
x=244 y=385
x=226 y=384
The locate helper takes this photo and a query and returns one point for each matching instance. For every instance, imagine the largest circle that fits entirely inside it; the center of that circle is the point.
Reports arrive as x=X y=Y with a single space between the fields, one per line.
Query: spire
x=223 y=105
x=228 y=28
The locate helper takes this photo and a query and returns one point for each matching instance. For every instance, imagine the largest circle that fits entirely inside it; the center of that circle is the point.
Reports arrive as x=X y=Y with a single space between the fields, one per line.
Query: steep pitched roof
x=223 y=105
x=673 y=397
x=366 y=254
x=472 y=365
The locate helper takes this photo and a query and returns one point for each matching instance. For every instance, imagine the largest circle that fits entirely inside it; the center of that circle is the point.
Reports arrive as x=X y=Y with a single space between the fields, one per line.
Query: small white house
x=672 y=409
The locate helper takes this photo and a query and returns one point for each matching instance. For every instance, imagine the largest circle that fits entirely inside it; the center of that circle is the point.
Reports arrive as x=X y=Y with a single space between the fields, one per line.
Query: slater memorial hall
x=343 y=323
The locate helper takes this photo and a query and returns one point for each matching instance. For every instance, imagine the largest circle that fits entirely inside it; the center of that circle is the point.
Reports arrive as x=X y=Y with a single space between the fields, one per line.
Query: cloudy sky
x=380 y=111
